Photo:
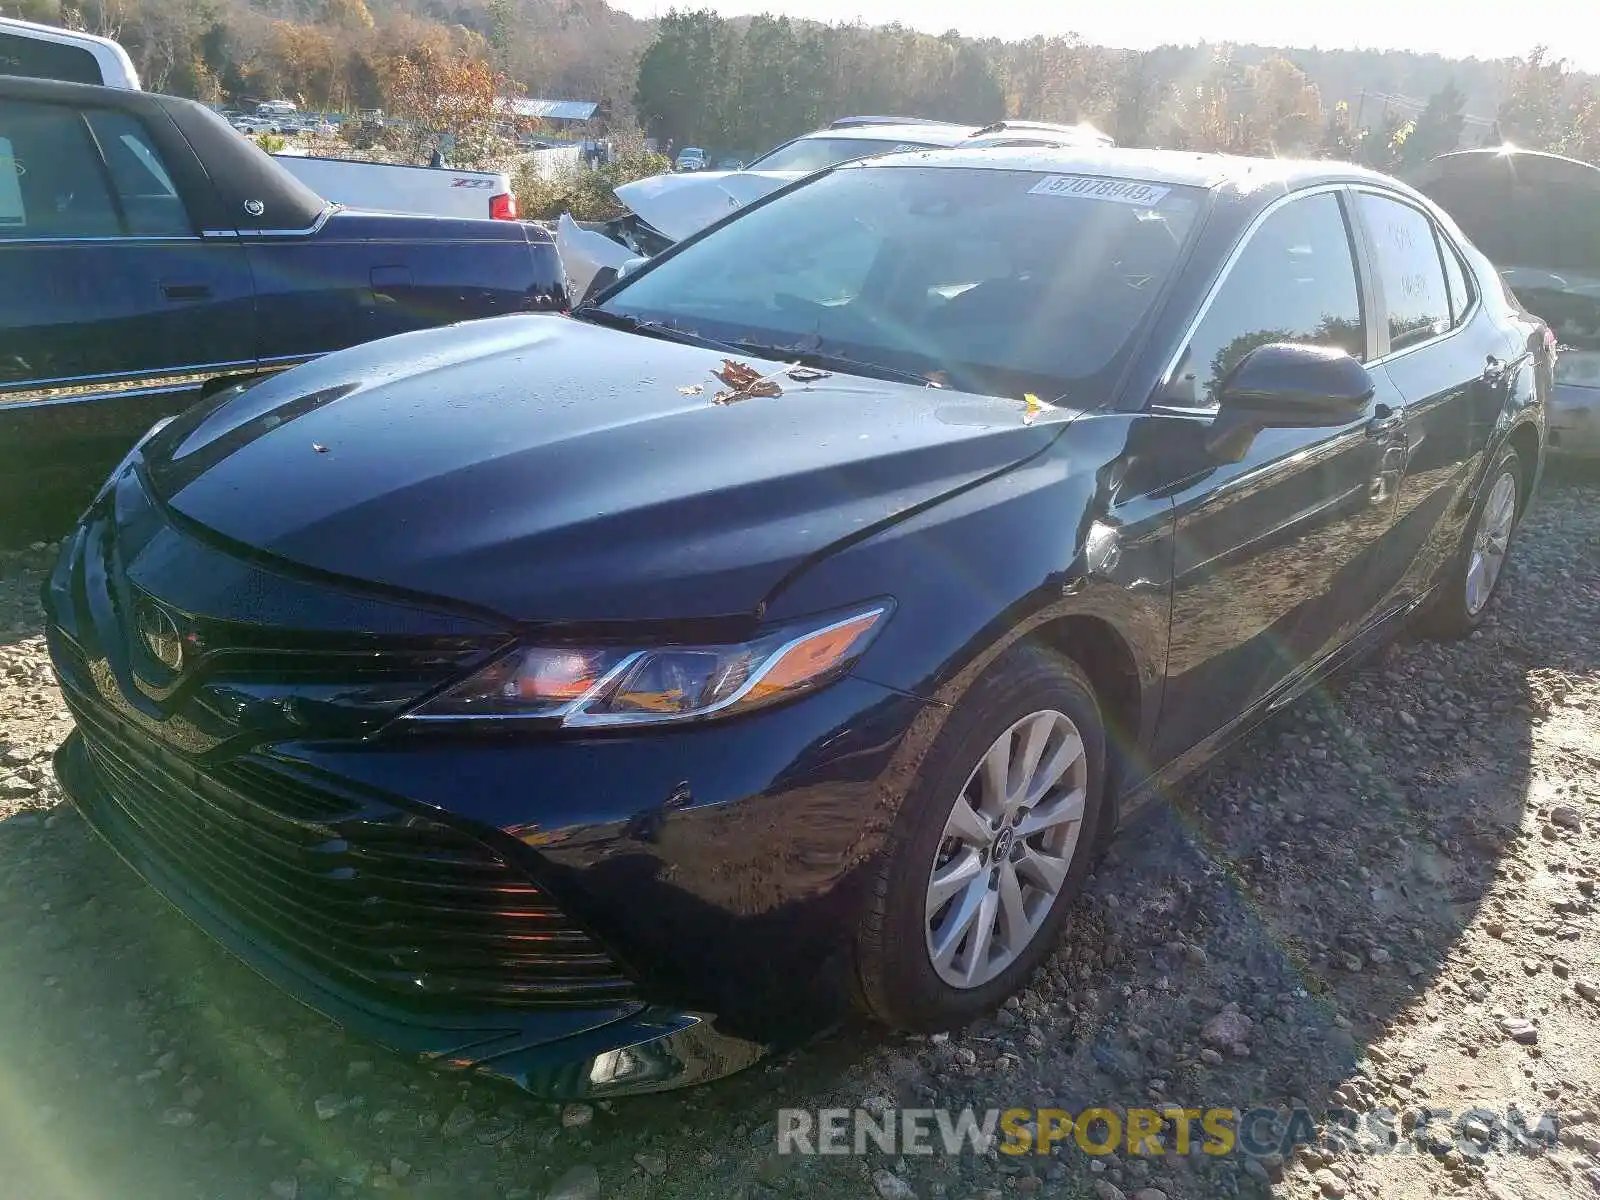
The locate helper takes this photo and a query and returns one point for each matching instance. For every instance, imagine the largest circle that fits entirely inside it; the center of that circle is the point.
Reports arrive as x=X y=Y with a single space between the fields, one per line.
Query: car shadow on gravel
x=1319 y=878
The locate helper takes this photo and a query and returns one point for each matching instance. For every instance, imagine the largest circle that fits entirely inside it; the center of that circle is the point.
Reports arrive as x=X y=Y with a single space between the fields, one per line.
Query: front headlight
x=597 y=686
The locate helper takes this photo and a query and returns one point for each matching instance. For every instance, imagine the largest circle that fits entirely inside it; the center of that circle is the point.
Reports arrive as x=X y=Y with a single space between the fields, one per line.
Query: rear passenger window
x=1409 y=270
x=1461 y=293
x=150 y=203
x=52 y=182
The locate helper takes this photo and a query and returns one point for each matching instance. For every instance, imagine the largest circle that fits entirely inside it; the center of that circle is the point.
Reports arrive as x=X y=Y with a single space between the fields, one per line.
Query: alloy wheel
x=1008 y=844
x=1490 y=542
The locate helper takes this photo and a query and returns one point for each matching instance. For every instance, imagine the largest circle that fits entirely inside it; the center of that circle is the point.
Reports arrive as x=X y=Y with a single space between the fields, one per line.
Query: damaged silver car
x=665 y=209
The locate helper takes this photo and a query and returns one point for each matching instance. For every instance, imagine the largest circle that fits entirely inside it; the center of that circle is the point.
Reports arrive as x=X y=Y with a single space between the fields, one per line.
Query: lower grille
x=397 y=905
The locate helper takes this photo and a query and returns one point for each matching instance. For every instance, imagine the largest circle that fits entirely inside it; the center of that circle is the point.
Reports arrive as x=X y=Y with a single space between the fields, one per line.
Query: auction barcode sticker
x=1121 y=191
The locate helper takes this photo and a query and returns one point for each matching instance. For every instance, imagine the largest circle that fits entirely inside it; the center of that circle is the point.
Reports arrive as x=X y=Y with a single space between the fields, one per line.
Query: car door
x=1449 y=367
x=1277 y=543
x=113 y=310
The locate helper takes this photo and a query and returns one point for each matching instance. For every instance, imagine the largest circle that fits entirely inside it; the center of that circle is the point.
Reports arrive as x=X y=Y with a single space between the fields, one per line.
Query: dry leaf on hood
x=745 y=381
x=1035 y=406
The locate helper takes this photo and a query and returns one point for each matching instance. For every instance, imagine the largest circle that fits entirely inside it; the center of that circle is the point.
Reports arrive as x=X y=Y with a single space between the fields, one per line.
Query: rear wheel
x=1474 y=574
x=989 y=847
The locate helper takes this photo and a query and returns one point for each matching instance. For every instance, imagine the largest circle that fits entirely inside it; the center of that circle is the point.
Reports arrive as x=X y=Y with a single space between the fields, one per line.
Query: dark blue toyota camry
x=600 y=701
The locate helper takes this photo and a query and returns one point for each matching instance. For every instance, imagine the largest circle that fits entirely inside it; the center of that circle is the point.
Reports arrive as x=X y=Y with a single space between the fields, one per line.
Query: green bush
x=586 y=193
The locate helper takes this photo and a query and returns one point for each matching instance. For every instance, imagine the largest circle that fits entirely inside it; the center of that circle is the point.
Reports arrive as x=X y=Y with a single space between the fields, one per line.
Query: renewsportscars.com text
x=1150 y=1131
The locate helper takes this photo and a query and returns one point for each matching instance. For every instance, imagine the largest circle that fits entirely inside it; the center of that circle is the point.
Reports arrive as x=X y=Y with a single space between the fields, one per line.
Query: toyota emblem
x=161 y=636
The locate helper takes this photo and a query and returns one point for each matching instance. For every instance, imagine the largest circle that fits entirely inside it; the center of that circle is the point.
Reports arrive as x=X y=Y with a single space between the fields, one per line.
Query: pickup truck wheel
x=989 y=848
x=1474 y=573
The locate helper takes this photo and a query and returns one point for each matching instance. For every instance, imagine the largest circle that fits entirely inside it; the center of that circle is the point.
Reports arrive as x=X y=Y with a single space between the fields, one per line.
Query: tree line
x=744 y=85
x=739 y=86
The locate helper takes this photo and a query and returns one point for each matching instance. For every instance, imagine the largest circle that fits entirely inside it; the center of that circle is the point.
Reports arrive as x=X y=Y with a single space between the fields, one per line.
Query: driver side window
x=1294 y=281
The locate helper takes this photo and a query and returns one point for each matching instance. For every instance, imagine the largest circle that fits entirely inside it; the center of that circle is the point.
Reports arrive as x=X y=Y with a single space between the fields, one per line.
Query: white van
x=45 y=52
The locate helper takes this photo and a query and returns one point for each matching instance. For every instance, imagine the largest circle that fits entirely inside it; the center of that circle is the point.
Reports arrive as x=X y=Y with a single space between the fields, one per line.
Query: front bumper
x=1574 y=424
x=630 y=1048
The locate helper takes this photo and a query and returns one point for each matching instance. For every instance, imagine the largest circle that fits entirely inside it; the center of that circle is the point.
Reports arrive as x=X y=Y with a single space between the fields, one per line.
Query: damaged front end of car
x=595 y=256
x=658 y=213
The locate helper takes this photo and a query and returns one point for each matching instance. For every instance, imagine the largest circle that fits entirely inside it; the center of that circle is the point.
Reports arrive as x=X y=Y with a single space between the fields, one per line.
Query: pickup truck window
x=57 y=188
x=42 y=59
x=150 y=203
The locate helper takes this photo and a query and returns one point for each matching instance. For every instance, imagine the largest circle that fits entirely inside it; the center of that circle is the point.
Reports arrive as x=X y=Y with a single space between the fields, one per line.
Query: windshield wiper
x=785 y=354
x=596 y=315
x=836 y=362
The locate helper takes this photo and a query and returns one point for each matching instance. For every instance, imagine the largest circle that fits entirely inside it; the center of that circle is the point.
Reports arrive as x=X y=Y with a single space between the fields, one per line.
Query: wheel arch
x=1126 y=684
x=1525 y=440
x=1101 y=651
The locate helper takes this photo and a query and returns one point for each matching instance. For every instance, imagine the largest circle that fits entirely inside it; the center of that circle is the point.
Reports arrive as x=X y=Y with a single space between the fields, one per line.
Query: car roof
x=1173 y=167
x=63 y=91
x=951 y=133
x=928 y=133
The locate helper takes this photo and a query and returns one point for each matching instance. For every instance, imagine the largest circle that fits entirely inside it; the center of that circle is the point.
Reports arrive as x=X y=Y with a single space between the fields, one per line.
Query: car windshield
x=995 y=281
x=814 y=154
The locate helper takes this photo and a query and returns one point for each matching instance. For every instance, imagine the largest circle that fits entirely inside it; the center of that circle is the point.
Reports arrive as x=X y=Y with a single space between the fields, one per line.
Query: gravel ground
x=1384 y=898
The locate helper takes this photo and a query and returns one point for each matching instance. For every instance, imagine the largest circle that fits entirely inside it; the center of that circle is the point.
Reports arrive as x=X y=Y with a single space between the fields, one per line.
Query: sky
x=1461 y=29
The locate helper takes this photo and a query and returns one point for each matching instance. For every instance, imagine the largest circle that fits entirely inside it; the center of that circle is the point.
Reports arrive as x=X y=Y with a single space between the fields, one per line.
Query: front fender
x=984 y=569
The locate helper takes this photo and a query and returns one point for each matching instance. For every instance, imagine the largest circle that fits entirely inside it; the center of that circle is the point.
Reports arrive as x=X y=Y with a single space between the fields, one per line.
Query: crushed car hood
x=1537 y=217
x=546 y=468
x=678 y=205
x=672 y=206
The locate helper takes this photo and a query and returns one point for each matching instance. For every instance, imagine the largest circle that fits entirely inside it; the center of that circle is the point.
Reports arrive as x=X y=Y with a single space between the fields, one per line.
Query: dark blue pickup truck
x=149 y=253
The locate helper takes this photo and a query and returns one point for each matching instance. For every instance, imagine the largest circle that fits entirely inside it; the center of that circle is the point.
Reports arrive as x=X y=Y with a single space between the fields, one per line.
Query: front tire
x=1474 y=573
x=989 y=848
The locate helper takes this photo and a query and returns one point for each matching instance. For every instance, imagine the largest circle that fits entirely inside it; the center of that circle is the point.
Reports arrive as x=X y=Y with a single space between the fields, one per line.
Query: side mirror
x=1285 y=385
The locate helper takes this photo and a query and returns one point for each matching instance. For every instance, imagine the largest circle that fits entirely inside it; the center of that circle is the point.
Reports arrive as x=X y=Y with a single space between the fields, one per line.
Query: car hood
x=548 y=469
x=1537 y=217
x=678 y=205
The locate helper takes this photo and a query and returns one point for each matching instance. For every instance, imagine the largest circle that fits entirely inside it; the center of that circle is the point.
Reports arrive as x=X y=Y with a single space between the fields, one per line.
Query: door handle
x=186 y=291
x=1385 y=421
